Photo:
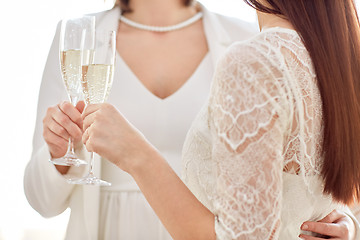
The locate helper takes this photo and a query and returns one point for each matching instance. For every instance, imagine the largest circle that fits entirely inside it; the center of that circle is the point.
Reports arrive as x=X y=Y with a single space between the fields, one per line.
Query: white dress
x=253 y=154
x=123 y=208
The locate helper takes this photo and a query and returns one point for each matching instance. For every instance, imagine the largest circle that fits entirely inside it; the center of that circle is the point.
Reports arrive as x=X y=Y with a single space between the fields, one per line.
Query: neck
x=271 y=20
x=160 y=12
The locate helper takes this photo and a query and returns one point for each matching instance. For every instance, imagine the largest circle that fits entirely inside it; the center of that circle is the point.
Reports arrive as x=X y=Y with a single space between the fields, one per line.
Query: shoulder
x=254 y=62
x=255 y=72
x=100 y=14
x=246 y=53
x=107 y=20
x=236 y=28
x=264 y=48
x=112 y=13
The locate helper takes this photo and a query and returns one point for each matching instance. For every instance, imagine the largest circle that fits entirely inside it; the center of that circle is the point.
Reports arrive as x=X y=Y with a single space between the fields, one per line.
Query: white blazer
x=46 y=190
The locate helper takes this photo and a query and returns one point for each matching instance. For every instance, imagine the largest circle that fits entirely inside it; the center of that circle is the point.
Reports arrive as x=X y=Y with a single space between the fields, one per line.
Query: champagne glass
x=96 y=84
x=77 y=38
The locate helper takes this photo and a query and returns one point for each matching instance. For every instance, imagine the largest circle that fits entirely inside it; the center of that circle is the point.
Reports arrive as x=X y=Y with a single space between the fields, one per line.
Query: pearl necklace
x=162 y=29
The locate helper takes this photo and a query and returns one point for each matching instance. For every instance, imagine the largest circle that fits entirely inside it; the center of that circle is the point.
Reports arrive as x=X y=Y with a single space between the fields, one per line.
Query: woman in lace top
x=276 y=144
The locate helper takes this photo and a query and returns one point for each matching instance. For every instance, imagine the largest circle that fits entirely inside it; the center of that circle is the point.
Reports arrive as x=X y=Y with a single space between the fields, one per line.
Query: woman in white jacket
x=155 y=74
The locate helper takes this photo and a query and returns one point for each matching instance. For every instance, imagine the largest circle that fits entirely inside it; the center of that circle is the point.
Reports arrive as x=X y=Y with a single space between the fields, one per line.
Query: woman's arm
x=248 y=181
x=250 y=115
x=179 y=210
x=110 y=135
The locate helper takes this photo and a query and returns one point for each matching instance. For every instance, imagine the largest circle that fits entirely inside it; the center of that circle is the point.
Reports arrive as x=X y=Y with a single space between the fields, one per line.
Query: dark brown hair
x=331 y=34
x=124 y=4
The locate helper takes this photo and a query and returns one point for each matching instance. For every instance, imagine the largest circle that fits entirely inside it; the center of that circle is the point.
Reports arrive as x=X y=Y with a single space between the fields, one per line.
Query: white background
x=27 y=28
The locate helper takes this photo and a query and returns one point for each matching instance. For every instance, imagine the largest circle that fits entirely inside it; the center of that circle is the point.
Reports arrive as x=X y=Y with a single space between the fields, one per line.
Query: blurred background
x=27 y=29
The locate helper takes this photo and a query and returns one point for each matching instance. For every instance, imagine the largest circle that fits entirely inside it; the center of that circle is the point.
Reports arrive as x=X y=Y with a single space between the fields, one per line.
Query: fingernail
x=304 y=227
x=301 y=237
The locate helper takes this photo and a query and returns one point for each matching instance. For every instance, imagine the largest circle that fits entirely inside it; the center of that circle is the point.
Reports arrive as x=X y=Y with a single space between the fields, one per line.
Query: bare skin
x=167 y=59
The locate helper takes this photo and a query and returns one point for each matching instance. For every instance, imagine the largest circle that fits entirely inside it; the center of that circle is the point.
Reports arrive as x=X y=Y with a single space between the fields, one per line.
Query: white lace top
x=253 y=154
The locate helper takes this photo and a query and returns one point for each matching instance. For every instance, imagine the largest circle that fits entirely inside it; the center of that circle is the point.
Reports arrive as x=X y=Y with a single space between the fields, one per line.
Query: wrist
x=143 y=160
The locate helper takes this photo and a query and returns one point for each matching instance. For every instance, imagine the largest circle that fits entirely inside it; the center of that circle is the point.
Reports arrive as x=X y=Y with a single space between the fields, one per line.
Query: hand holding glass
x=96 y=84
x=76 y=41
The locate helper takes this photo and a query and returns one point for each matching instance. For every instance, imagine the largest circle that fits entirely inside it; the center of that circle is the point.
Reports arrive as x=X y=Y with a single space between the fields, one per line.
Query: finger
x=54 y=139
x=332 y=217
x=307 y=237
x=91 y=138
x=91 y=108
x=80 y=106
x=72 y=112
x=88 y=142
x=89 y=146
x=327 y=229
x=85 y=136
x=64 y=121
x=88 y=121
x=53 y=128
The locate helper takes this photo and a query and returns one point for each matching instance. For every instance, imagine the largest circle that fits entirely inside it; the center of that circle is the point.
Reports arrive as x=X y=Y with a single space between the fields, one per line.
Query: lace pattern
x=263 y=118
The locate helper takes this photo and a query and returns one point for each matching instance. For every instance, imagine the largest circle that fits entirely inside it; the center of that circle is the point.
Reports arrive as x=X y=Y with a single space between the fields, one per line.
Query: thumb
x=80 y=106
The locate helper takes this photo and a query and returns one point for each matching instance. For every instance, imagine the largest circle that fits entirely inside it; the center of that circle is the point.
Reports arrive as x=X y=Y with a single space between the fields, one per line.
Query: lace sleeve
x=250 y=115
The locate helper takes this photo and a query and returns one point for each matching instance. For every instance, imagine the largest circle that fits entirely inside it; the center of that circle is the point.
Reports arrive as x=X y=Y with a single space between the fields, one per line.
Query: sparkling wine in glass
x=96 y=84
x=77 y=37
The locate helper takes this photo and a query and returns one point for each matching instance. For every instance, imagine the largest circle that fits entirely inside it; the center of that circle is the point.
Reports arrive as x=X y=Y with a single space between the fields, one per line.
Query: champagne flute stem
x=92 y=160
x=71 y=146
x=73 y=101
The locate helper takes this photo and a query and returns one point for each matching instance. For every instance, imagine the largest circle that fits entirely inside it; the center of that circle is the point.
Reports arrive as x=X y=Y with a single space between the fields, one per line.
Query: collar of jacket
x=217 y=37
